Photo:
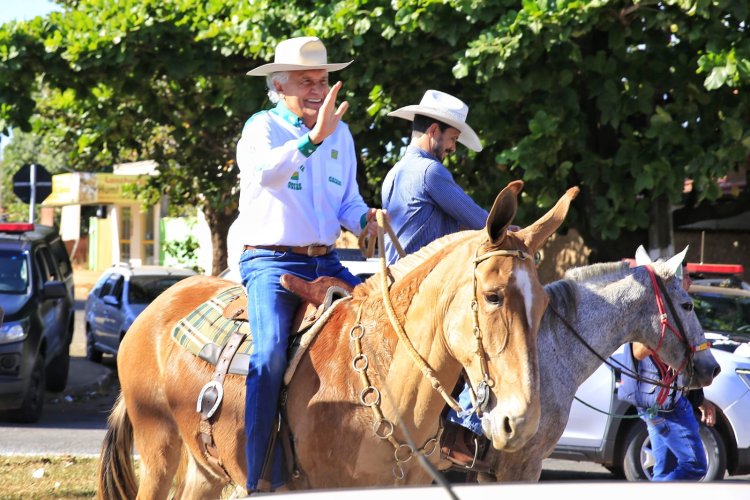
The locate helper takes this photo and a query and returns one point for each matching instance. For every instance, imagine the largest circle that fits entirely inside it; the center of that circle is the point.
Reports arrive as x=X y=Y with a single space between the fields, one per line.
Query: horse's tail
x=116 y=474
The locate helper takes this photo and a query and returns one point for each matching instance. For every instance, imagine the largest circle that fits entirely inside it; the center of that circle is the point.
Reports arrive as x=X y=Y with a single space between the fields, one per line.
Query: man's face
x=444 y=143
x=686 y=281
x=304 y=92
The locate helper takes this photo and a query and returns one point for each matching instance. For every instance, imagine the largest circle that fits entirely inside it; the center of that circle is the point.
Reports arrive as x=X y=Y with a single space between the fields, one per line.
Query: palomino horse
x=359 y=405
x=607 y=305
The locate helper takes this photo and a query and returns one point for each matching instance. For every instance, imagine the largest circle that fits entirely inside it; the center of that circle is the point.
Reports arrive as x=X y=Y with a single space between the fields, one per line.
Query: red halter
x=669 y=375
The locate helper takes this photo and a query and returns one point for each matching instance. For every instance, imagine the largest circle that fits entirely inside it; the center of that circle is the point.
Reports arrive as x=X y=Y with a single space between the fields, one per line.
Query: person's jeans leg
x=657 y=430
x=270 y=312
x=685 y=444
x=330 y=265
x=471 y=421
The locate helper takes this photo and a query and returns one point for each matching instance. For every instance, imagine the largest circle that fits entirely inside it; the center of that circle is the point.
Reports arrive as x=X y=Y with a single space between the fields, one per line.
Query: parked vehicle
x=37 y=298
x=605 y=430
x=117 y=298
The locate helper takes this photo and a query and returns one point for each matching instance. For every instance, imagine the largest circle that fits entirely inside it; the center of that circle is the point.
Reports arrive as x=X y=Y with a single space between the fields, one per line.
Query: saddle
x=316 y=297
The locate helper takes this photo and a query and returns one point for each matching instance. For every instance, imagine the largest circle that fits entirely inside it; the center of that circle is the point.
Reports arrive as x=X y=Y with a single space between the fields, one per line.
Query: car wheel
x=716 y=453
x=33 y=400
x=92 y=353
x=638 y=462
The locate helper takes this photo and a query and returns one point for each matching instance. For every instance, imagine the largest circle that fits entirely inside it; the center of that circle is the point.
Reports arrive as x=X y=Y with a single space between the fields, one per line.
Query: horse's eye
x=688 y=306
x=494 y=298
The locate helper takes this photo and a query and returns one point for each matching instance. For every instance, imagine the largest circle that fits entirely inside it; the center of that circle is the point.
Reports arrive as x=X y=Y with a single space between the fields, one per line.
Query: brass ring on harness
x=367 y=391
x=399 y=449
x=398 y=471
x=360 y=363
x=431 y=445
x=359 y=327
x=383 y=428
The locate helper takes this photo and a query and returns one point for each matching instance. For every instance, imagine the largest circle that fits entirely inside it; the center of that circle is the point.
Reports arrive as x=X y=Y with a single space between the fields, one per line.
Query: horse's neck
x=604 y=321
x=407 y=392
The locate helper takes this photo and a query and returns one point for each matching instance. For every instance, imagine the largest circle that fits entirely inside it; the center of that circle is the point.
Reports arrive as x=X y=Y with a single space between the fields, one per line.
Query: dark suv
x=36 y=295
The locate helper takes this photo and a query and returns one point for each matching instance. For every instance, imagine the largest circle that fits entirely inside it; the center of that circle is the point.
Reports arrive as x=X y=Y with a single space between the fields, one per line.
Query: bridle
x=370 y=395
x=668 y=374
x=482 y=395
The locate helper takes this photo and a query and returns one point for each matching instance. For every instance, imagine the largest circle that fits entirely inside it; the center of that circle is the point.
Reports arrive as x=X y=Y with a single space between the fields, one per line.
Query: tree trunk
x=660 y=232
x=219 y=222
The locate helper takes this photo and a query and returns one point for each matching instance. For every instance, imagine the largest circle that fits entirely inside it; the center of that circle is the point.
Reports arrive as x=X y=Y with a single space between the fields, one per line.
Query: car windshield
x=144 y=289
x=14 y=272
x=723 y=313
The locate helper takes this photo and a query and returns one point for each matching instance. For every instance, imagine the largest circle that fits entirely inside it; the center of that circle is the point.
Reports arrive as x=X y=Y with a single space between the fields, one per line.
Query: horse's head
x=507 y=304
x=678 y=338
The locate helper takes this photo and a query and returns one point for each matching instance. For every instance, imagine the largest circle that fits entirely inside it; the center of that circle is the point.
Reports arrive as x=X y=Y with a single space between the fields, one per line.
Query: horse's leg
x=198 y=482
x=158 y=442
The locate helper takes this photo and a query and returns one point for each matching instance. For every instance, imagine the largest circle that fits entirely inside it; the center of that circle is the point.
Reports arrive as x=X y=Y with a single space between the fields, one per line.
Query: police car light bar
x=16 y=227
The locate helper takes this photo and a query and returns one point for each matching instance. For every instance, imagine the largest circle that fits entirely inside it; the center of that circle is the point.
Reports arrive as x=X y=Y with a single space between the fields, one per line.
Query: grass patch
x=23 y=477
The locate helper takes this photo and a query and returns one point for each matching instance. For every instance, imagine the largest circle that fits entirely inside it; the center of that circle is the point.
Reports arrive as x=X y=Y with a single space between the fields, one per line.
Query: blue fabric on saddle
x=205 y=331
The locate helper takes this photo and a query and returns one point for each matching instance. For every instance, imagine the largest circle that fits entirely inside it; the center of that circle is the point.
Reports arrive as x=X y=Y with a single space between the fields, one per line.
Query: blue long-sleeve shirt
x=425 y=203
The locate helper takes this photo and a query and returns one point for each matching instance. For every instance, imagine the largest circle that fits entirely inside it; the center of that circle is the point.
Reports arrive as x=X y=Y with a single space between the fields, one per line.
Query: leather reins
x=370 y=396
x=668 y=375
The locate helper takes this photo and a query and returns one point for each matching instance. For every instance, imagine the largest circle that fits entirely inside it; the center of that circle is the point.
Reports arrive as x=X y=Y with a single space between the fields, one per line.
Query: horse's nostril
x=717 y=370
x=507 y=426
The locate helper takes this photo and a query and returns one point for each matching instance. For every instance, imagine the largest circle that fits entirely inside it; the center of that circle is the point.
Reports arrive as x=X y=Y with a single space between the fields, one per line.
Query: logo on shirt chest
x=294 y=182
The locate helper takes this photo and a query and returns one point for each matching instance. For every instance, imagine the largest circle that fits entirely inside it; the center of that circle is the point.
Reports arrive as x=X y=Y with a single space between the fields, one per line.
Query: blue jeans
x=270 y=312
x=676 y=443
x=472 y=421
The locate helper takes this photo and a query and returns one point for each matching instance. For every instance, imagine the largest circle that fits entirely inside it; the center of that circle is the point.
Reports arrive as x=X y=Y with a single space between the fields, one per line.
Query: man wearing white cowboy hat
x=419 y=193
x=424 y=203
x=297 y=188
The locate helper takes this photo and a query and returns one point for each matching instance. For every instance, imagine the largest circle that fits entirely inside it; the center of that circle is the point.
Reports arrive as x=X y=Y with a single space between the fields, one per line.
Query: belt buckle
x=310 y=251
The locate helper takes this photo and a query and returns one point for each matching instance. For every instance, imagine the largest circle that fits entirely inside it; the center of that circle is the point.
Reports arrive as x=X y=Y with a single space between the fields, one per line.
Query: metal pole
x=32 y=187
x=703 y=243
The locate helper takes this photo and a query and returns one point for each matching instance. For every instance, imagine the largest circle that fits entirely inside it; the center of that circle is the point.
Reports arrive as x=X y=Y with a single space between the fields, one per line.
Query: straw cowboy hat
x=298 y=54
x=447 y=109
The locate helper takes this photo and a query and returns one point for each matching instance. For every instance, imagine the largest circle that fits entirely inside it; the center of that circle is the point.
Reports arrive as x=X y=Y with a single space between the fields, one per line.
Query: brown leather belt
x=310 y=250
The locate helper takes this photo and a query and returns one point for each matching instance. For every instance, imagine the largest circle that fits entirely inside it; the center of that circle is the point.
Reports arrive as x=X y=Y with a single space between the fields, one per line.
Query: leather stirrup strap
x=264 y=483
x=209 y=401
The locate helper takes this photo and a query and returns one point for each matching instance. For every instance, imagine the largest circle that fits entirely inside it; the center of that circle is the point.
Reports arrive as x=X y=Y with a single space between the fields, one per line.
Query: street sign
x=32 y=183
x=22 y=183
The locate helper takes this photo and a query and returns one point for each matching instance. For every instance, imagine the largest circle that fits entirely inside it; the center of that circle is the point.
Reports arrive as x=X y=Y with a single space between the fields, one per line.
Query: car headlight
x=13 y=331
x=744 y=375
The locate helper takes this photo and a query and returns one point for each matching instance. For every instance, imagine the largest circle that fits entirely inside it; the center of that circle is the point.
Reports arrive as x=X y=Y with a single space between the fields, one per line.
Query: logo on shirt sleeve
x=334 y=154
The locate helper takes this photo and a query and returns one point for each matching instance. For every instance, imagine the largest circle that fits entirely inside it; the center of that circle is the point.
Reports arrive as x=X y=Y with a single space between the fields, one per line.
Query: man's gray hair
x=279 y=76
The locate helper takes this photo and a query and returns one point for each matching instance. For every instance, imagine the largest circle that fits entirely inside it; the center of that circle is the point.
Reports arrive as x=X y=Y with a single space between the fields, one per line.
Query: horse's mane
x=561 y=293
x=404 y=266
x=597 y=272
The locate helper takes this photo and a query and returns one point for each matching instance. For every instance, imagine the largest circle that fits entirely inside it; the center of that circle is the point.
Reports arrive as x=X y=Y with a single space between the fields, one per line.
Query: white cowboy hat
x=298 y=54
x=447 y=109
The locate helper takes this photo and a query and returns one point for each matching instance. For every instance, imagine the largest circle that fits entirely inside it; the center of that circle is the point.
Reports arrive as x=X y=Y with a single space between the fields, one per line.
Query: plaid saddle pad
x=205 y=331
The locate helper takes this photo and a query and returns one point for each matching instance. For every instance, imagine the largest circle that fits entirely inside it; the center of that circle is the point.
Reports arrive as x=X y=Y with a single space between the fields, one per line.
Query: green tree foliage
x=625 y=99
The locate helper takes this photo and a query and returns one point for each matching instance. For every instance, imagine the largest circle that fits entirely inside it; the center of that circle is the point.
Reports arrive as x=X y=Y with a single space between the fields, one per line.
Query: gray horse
x=608 y=305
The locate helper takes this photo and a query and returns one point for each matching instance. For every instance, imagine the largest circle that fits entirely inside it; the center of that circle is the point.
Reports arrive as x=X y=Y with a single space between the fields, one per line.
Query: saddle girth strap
x=209 y=401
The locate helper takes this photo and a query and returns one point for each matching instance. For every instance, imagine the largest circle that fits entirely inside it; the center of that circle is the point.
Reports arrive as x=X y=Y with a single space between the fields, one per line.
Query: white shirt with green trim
x=292 y=192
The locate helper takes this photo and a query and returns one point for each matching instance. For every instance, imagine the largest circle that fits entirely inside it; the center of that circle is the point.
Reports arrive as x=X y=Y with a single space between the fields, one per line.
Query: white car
x=120 y=294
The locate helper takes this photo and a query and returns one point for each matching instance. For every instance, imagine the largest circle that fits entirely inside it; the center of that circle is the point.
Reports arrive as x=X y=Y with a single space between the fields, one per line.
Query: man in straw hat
x=424 y=203
x=297 y=188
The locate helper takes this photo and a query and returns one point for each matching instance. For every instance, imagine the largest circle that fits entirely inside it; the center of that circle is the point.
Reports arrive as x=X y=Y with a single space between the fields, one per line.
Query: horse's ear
x=641 y=256
x=674 y=265
x=535 y=235
x=503 y=211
